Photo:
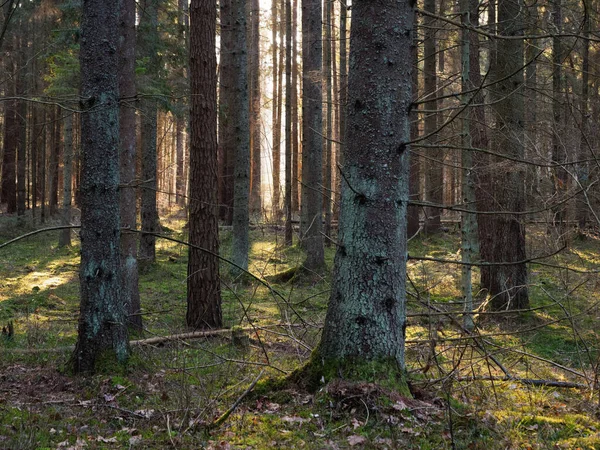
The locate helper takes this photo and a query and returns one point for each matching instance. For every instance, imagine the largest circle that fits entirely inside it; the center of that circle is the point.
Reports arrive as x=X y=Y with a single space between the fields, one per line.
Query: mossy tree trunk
x=102 y=319
x=366 y=318
x=128 y=144
x=203 y=284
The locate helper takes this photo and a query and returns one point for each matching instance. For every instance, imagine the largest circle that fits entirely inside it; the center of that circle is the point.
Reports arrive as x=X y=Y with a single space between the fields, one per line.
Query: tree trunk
x=128 y=144
x=275 y=123
x=11 y=138
x=413 y=224
x=343 y=98
x=21 y=89
x=295 y=125
x=255 y=120
x=585 y=139
x=502 y=236
x=64 y=239
x=102 y=320
x=366 y=318
x=236 y=128
x=328 y=128
x=288 y=238
x=312 y=143
x=433 y=161
x=203 y=284
x=559 y=152
x=55 y=127
x=148 y=48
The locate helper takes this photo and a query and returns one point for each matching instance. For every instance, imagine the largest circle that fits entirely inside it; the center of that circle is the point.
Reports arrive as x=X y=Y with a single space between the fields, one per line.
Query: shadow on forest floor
x=170 y=392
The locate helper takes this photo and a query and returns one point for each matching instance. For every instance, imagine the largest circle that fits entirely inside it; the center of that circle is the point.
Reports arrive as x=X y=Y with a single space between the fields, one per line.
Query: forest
x=319 y=224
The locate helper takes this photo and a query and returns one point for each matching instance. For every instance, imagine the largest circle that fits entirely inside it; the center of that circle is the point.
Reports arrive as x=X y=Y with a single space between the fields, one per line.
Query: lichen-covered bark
x=129 y=265
x=312 y=142
x=502 y=236
x=366 y=317
x=203 y=288
x=102 y=318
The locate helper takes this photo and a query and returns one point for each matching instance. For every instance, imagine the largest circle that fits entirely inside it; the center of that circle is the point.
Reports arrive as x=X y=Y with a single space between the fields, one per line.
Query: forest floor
x=506 y=386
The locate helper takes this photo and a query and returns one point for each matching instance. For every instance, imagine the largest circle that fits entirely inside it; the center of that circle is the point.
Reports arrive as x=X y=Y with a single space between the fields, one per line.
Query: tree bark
x=237 y=126
x=203 y=284
x=64 y=239
x=295 y=125
x=21 y=88
x=413 y=224
x=288 y=238
x=582 y=203
x=11 y=137
x=255 y=118
x=102 y=320
x=433 y=162
x=55 y=144
x=148 y=48
x=328 y=128
x=366 y=318
x=312 y=144
x=128 y=146
x=502 y=236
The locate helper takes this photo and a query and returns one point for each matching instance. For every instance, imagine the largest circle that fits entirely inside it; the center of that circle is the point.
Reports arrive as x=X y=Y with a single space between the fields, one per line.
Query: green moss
x=319 y=371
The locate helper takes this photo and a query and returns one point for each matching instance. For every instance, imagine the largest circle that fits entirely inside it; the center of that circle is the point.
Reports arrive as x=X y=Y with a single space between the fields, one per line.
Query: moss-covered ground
x=170 y=394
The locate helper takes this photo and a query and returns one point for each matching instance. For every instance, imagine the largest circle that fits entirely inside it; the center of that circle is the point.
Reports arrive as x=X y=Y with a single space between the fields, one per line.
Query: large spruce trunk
x=366 y=317
x=102 y=319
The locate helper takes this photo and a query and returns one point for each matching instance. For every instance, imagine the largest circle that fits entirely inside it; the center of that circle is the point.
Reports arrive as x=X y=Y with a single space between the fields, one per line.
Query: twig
x=527 y=381
x=227 y=413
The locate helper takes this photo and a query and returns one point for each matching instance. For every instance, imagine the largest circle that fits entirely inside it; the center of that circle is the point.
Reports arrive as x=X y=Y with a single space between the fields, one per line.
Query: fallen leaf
x=355 y=439
x=294 y=419
x=109 y=440
x=147 y=413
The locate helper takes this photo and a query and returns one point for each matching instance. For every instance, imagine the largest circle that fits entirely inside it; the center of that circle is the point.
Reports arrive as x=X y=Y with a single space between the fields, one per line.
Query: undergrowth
x=171 y=393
